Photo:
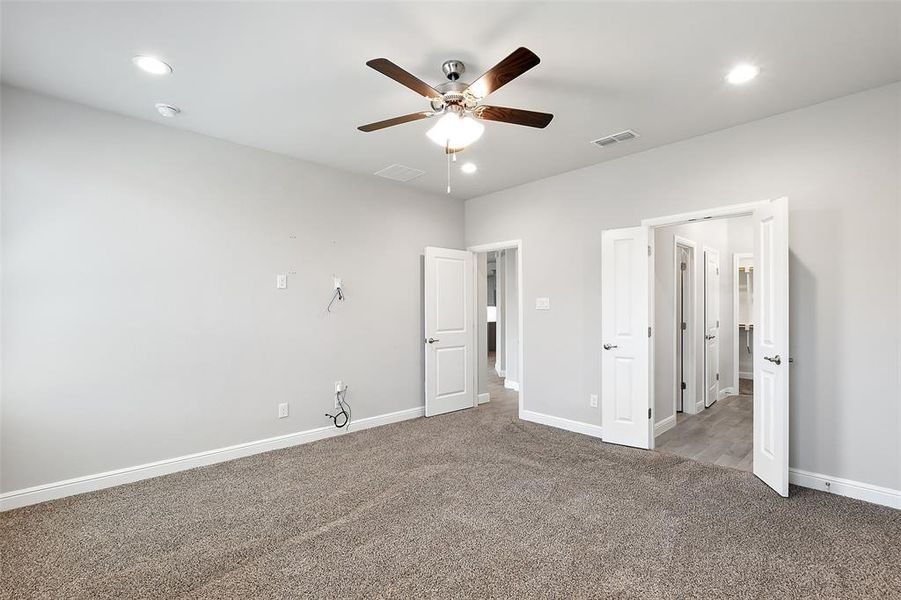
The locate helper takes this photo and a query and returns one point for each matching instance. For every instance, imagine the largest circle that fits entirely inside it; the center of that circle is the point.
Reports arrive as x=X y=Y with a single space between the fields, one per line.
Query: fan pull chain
x=448 y=155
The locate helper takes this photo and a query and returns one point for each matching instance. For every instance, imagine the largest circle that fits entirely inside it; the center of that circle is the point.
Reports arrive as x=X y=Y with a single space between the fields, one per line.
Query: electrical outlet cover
x=594 y=400
x=282 y=410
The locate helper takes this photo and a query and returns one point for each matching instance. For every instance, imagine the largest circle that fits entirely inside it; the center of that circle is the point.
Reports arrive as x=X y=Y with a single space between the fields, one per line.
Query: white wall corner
x=846 y=487
x=99 y=481
x=483 y=398
x=664 y=425
x=561 y=423
x=511 y=385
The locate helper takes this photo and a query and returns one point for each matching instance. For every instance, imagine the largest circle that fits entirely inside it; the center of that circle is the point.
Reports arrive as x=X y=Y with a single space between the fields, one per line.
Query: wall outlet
x=542 y=304
x=283 y=410
x=281 y=281
x=339 y=387
x=593 y=400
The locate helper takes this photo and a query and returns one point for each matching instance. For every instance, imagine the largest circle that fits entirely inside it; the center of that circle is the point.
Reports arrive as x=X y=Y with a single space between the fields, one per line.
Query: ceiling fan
x=458 y=103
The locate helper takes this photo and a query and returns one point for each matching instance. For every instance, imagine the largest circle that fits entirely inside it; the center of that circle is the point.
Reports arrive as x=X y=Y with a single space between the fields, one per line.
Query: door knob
x=432 y=340
x=773 y=359
x=609 y=346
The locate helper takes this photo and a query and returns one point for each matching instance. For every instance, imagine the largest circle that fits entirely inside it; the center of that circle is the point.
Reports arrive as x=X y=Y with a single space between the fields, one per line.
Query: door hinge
x=683 y=266
x=717 y=323
x=649 y=250
x=649 y=332
x=649 y=413
x=717 y=376
x=684 y=386
x=684 y=325
x=717 y=270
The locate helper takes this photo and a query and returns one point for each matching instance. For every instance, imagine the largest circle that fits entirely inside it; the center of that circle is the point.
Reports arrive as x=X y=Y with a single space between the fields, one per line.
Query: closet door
x=625 y=359
x=711 y=325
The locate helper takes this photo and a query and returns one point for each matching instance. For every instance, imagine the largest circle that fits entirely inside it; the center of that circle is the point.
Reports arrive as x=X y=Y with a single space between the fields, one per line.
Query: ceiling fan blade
x=386 y=67
x=517 y=116
x=395 y=121
x=520 y=61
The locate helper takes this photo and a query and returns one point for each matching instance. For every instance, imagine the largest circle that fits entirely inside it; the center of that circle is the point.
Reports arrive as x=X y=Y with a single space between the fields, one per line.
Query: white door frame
x=689 y=354
x=720 y=212
x=494 y=247
x=736 y=261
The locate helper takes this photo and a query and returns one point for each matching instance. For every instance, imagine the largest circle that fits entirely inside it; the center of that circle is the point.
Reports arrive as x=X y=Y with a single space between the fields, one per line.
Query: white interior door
x=770 y=307
x=711 y=325
x=625 y=398
x=449 y=340
x=682 y=324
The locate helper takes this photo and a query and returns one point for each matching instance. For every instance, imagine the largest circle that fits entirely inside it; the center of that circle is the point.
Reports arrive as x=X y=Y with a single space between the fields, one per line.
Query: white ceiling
x=290 y=77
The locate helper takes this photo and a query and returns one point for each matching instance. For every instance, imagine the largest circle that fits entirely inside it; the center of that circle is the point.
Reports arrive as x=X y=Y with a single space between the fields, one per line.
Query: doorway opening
x=458 y=368
x=637 y=402
x=698 y=327
x=498 y=286
x=499 y=330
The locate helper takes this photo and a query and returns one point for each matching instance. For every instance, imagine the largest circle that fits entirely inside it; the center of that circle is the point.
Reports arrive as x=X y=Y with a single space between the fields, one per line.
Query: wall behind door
x=140 y=315
x=838 y=162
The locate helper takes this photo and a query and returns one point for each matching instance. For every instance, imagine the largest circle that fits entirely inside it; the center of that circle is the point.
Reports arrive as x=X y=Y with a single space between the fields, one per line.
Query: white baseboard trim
x=511 y=385
x=99 y=481
x=483 y=398
x=500 y=372
x=725 y=392
x=846 y=487
x=664 y=425
x=561 y=423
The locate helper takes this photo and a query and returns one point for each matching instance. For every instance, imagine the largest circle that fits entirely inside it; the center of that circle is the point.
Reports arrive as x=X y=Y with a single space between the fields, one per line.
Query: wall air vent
x=616 y=138
x=399 y=173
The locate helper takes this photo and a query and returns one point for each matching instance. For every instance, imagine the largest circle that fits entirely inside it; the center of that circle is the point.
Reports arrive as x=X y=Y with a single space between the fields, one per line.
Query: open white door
x=771 y=345
x=625 y=398
x=711 y=326
x=449 y=340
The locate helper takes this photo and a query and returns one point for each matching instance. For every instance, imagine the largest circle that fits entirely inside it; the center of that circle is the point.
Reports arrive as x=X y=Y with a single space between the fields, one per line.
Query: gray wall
x=140 y=315
x=838 y=162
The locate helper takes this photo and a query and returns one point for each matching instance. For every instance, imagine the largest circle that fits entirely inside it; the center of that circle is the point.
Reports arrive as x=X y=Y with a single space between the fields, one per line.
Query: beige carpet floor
x=476 y=504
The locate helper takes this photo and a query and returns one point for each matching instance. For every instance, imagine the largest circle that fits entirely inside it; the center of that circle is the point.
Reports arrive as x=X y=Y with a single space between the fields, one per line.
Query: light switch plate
x=593 y=400
x=542 y=304
x=281 y=281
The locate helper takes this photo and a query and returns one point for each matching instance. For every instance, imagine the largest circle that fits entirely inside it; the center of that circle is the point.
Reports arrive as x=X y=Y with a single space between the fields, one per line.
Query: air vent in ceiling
x=399 y=173
x=622 y=136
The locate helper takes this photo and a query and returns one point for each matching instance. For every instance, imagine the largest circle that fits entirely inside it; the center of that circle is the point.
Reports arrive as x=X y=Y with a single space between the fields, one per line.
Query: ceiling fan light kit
x=455 y=132
x=457 y=104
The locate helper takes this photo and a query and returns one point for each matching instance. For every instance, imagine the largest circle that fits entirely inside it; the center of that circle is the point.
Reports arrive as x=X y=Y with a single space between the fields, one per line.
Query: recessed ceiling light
x=742 y=74
x=167 y=110
x=151 y=64
x=469 y=168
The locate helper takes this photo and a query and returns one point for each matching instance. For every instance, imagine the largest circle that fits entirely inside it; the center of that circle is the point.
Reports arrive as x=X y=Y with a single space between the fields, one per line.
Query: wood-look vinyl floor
x=719 y=435
x=496 y=389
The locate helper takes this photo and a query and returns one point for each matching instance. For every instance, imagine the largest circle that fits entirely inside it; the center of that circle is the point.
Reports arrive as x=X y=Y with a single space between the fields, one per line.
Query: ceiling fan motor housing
x=453 y=69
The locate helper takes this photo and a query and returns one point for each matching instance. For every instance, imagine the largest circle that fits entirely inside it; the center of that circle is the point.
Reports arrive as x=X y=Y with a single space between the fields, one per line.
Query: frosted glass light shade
x=455 y=132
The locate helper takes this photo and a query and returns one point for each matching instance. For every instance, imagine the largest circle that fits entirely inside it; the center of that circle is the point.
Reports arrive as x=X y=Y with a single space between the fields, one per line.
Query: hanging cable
x=338 y=295
x=342 y=417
